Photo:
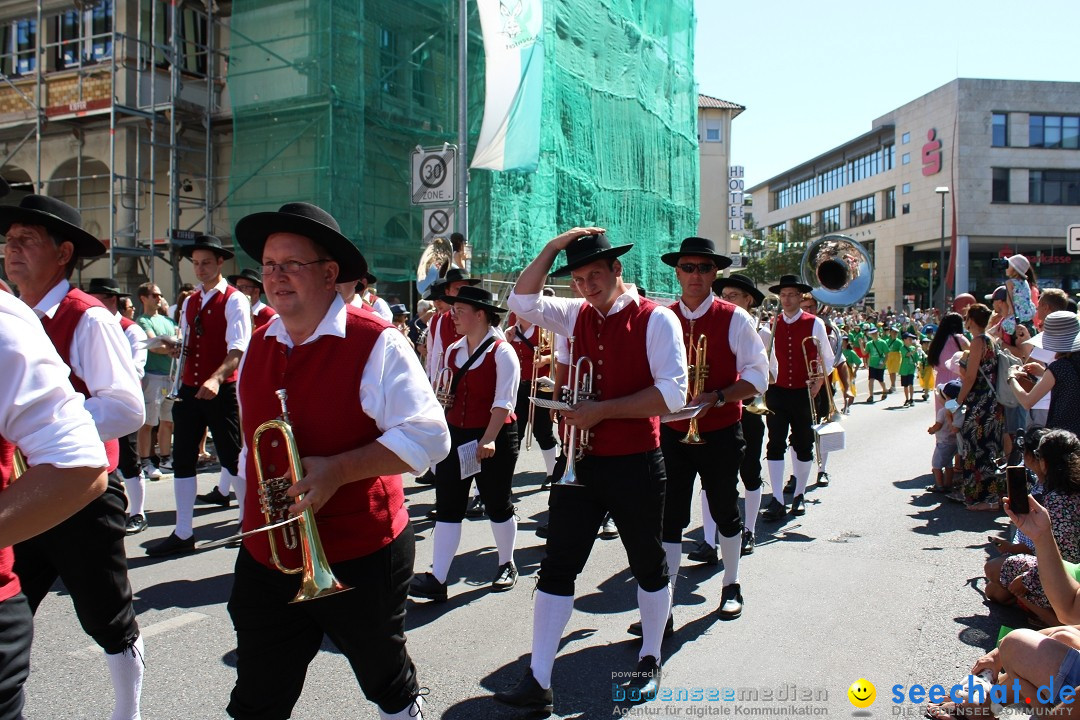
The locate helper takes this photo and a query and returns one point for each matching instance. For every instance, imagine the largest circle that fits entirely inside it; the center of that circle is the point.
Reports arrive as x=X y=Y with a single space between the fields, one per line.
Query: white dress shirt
x=765 y=333
x=393 y=392
x=819 y=333
x=101 y=355
x=507 y=368
x=663 y=336
x=137 y=337
x=382 y=309
x=435 y=359
x=39 y=410
x=237 y=316
x=750 y=359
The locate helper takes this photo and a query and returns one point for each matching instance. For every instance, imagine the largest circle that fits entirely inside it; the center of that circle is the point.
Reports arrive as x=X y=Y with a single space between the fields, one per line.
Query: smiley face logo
x=862 y=693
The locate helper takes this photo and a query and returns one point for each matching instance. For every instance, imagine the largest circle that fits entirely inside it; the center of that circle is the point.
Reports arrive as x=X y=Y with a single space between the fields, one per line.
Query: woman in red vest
x=482 y=430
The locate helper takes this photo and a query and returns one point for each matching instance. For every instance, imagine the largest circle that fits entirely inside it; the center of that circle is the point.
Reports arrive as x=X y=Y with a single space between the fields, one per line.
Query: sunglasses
x=703 y=268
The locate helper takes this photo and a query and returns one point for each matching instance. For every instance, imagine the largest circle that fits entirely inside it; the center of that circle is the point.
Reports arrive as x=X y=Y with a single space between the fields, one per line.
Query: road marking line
x=93 y=651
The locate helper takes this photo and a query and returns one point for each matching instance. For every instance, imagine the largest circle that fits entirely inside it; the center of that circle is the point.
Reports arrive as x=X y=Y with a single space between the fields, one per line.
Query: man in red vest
x=42 y=415
x=249 y=282
x=45 y=241
x=788 y=398
x=639 y=373
x=352 y=471
x=736 y=369
x=215 y=323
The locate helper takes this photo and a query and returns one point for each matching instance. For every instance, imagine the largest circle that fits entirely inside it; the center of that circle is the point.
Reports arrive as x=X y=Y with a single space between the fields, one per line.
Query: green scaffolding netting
x=330 y=97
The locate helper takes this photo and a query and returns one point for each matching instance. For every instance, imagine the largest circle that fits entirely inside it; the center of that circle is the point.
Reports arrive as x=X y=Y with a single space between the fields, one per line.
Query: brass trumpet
x=580 y=388
x=769 y=304
x=698 y=372
x=178 y=376
x=317 y=580
x=544 y=343
x=444 y=380
x=18 y=466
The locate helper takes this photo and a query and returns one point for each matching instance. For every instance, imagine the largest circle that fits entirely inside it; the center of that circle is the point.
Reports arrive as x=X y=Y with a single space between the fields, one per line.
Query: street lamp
x=942 y=191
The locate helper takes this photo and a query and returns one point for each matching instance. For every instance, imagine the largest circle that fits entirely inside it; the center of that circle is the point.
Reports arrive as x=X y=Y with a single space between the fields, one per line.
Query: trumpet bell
x=839 y=269
x=758 y=406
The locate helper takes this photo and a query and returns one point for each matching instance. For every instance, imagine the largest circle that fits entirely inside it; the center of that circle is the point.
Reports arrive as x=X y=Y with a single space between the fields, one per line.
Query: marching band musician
x=788 y=398
x=738 y=369
x=215 y=322
x=485 y=382
x=45 y=240
x=352 y=471
x=42 y=415
x=639 y=374
x=249 y=282
x=822 y=404
x=525 y=339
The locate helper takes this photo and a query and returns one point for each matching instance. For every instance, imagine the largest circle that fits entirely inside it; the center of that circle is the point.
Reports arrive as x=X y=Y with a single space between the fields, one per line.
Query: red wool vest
x=524 y=352
x=715 y=324
x=9 y=581
x=61 y=329
x=125 y=323
x=616 y=345
x=475 y=394
x=265 y=315
x=788 y=346
x=362 y=516
x=447 y=333
x=206 y=351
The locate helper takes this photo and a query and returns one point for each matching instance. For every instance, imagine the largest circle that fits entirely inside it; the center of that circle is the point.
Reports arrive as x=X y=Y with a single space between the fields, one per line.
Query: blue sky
x=814 y=75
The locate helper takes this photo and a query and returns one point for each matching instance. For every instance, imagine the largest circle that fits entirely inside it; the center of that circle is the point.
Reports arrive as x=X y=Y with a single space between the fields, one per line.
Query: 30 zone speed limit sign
x=433 y=179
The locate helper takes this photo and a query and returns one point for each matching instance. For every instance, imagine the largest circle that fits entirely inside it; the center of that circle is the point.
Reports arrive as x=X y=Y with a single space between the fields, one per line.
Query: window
x=713 y=127
x=905 y=138
x=1054 y=187
x=890 y=203
x=905 y=188
x=18 y=54
x=999 y=191
x=84 y=37
x=905 y=209
x=779 y=229
x=193 y=34
x=905 y=159
x=862 y=211
x=1054 y=131
x=388 y=61
x=999 y=132
x=859 y=168
x=830 y=220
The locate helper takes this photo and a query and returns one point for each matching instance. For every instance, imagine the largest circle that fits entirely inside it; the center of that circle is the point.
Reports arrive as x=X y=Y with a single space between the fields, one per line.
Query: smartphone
x=1016 y=476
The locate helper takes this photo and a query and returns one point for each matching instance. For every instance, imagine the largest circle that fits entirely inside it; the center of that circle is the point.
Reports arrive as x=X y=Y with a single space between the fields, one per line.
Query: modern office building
x=714 y=118
x=1008 y=153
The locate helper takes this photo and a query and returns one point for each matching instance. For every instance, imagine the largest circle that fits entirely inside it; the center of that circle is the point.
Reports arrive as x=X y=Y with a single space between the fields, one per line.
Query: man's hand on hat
x=561 y=242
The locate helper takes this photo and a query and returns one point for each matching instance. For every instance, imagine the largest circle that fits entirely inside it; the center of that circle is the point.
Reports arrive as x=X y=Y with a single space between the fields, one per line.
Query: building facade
x=995 y=163
x=714 y=118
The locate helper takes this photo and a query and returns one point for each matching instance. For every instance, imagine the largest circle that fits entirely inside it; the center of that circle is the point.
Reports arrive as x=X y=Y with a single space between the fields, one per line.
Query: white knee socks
x=550 y=615
x=730 y=550
x=413 y=711
x=655 y=608
x=708 y=525
x=801 y=468
x=447 y=539
x=505 y=538
x=225 y=482
x=823 y=460
x=126 y=669
x=753 y=506
x=551 y=455
x=136 y=493
x=184 y=490
x=776 y=478
x=240 y=488
x=673 y=553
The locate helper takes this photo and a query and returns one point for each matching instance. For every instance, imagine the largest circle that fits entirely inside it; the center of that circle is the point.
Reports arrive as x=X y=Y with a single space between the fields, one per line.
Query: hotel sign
x=735 y=186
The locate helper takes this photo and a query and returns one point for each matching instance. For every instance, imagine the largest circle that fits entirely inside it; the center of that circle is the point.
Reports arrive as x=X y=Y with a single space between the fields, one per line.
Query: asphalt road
x=874 y=582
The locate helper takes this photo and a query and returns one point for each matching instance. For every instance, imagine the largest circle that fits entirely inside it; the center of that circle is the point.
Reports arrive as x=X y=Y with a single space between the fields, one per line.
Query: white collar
x=48 y=305
x=792 y=319
x=220 y=287
x=333 y=323
x=701 y=309
x=462 y=342
x=259 y=305
x=630 y=296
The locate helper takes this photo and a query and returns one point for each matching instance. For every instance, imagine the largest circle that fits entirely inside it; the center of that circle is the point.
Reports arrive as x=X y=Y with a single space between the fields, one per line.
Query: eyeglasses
x=735 y=295
x=157 y=295
x=703 y=268
x=289 y=267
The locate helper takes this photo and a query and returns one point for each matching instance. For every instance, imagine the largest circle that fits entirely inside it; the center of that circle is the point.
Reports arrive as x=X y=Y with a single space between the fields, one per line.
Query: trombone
x=544 y=344
x=579 y=388
x=770 y=304
x=698 y=372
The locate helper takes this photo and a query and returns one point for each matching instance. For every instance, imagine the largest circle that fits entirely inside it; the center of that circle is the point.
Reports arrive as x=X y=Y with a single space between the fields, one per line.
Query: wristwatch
x=720 y=399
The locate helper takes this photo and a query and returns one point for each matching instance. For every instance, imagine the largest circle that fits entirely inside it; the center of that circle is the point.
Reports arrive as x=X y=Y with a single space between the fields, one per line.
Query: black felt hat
x=436 y=290
x=207 y=242
x=456 y=274
x=477 y=297
x=310 y=221
x=370 y=278
x=60 y=219
x=587 y=249
x=105 y=286
x=741 y=282
x=790 y=281
x=247 y=274
x=703 y=247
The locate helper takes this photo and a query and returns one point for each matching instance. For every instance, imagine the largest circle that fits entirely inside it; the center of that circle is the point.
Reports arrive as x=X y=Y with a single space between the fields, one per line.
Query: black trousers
x=276 y=640
x=494 y=481
x=86 y=551
x=16 y=636
x=541 y=431
x=192 y=417
x=717 y=461
x=129 y=465
x=631 y=488
x=753 y=430
x=791 y=413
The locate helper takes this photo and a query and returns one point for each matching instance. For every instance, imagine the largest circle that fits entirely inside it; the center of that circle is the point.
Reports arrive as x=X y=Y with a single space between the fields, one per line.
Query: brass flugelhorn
x=771 y=304
x=698 y=372
x=444 y=380
x=580 y=388
x=178 y=374
x=544 y=343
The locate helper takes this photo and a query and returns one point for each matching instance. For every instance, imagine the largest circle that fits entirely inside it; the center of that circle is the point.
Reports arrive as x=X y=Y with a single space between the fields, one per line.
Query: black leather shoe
x=747 y=543
x=823 y=479
x=541 y=531
x=427 y=478
x=476 y=509
x=608 y=531
x=704 y=553
x=775 y=510
x=546 y=485
x=171 y=545
x=731 y=602
x=214 y=497
x=791 y=483
x=506 y=578
x=645 y=680
x=136 y=524
x=669 y=629
x=527 y=694
x=798 y=507
x=427 y=587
